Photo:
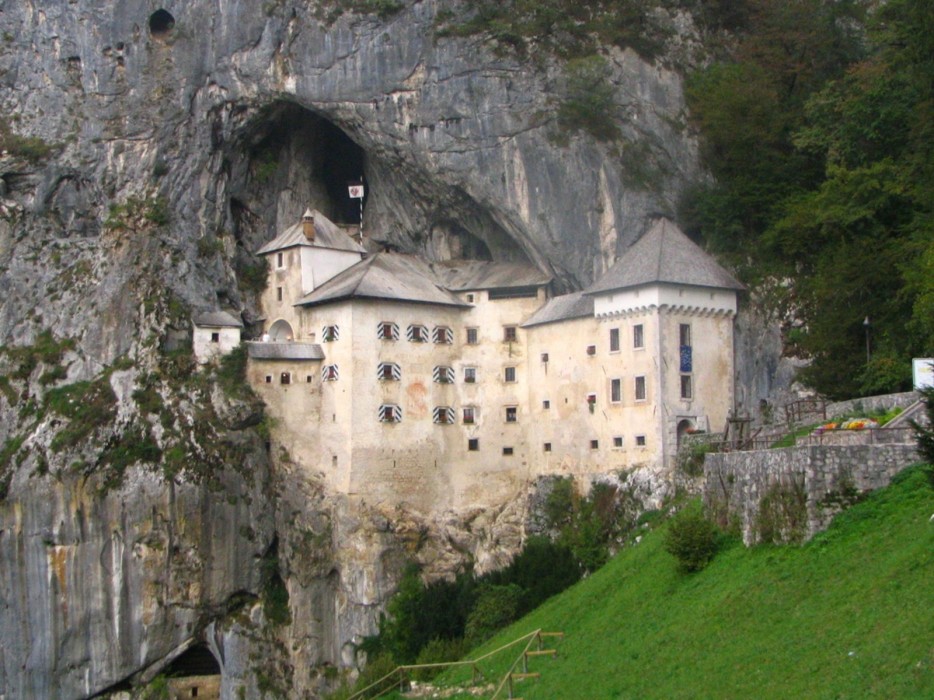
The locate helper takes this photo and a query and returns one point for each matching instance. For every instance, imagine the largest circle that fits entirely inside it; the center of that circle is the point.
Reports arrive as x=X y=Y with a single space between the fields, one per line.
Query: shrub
x=588 y=103
x=782 y=513
x=438 y=651
x=496 y=607
x=692 y=539
x=925 y=435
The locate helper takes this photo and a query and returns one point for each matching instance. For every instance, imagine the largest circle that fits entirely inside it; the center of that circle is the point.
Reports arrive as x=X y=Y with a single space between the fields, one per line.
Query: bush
x=925 y=435
x=589 y=100
x=438 y=651
x=496 y=607
x=692 y=539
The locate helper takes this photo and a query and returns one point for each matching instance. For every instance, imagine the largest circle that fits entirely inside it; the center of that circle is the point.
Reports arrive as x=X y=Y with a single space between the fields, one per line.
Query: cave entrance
x=194 y=674
x=341 y=167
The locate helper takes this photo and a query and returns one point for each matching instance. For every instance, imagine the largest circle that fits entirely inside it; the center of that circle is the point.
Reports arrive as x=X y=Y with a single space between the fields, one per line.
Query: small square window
x=470 y=298
x=417 y=333
x=591 y=350
x=507 y=451
x=308 y=379
x=215 y=337
x=470 y=415
x=511 y=414
x=547 y=447
x=473 y=444
x=594 y=444
x=640 y=388
x=330 y=334
x=470 y=375
x=544 y=357
x=442 y=335
x=640 y=440
x=546 y=404
x=591 y=399
x=387 y=330
x=509 y=334
x=269 y=379
x=614 y=340
x=472 y=336
x=285 y=378
x=618 y=441
x=638 y=336
x=509 y=374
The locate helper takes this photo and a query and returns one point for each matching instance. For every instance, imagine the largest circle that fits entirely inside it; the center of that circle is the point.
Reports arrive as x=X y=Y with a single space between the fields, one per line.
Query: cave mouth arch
x=195 y=661
x=161 y=22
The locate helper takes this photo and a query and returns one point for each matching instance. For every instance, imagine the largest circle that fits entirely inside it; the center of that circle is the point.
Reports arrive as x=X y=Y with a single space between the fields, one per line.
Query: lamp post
x=866 y=325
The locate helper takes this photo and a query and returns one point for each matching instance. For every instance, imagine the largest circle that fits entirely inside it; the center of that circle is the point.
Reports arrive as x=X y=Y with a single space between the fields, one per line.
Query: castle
x=453 y=384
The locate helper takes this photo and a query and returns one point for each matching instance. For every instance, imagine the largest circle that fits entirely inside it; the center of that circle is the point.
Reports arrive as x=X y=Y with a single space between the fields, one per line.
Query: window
x=330 y=333
x=511 y=414
x=443 y=375
x=640 y=440
x=278 y=293
x=640 y=388
x=390 y=413
x=470 y=415
x=417 y=334
x=442 y=335
x=329 y=373
x=638 y=336
x=545 y=357
x=507 y=451
x=472 y=336
x=594 y=444
x=618 y=441
x=616 y=390
x=591 y=350
x=526 y=292
x=308 y=379
x=684 y=333
x=285 y=378
x=686 y=388
x=269 y=379
x=509 y=334
x=473 y=444
x=470 y=298
x=591 y=399
x=443 y=415
x=547 y=447
x=470 y=375
x=388 y=372
x=280 y=263
x=387 y=331
x=614 y=340
x=509 y=374
x=546 y=404
x=215 y=337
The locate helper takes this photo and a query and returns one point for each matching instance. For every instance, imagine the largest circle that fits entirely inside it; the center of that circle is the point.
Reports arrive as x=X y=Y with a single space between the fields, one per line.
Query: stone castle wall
x=812 y=483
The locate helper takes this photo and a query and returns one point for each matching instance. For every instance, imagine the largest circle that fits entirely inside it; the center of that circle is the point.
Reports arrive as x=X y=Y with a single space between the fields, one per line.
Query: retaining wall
x=813 y=483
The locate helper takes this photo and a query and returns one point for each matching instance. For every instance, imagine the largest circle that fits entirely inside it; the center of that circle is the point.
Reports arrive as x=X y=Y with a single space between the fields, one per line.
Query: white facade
x=455 y=403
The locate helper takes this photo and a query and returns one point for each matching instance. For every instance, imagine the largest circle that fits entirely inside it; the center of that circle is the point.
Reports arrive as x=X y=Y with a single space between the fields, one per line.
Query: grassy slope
x=849 y=615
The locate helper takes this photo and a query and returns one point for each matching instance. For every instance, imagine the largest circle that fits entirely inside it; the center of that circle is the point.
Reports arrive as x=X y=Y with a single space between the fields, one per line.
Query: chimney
x=308 y=225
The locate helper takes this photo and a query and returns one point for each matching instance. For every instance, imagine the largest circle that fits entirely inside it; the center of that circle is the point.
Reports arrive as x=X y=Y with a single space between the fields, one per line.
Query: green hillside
x=849 y=615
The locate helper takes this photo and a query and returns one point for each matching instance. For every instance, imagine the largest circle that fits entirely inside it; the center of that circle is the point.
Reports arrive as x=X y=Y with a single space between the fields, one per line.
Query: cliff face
x=147 y=155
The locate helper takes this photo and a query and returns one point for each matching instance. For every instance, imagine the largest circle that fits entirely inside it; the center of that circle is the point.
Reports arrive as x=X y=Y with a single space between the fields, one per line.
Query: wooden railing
x=399 y=677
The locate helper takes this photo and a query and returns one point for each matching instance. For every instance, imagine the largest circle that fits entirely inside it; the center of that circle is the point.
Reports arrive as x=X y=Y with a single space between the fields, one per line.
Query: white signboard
x=355 y=191
x=923 y=371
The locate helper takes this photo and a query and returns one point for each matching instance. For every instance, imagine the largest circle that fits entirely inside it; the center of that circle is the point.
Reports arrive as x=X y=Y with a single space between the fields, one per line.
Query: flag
x=355 y=190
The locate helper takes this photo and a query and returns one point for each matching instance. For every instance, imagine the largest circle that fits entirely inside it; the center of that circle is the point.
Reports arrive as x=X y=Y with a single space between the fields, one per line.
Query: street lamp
x=866 y=326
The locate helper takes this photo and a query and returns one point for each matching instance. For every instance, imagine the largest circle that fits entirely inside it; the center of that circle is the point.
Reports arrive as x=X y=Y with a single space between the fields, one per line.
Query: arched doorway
x=685 y=427
x=281 y=331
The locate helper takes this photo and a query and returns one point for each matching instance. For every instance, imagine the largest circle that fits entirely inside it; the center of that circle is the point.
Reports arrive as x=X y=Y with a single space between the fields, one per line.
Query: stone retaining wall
x=868 y=404
x=801 y=488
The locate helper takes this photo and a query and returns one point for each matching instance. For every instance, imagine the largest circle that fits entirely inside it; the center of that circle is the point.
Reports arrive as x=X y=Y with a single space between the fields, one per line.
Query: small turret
x=308 y=225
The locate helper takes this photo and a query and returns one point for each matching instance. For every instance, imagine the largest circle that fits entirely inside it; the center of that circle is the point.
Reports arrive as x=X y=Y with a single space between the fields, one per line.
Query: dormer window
x=442 y=335
x=443 y=375
x=330 y=333
x=389 y=372
x=417 y=334
x=387 y=330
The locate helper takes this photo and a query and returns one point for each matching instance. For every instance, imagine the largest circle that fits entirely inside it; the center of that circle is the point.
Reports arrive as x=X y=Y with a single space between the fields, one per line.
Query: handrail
x=507 y=677
x=401 y=670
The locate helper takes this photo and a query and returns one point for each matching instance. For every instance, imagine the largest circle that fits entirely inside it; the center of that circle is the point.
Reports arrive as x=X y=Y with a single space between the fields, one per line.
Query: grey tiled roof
x=384 y=276
x=664 y=254
x=284 y=351
x=327 y=235
x=464 y=275
x=562 y=308
x=217 y=319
